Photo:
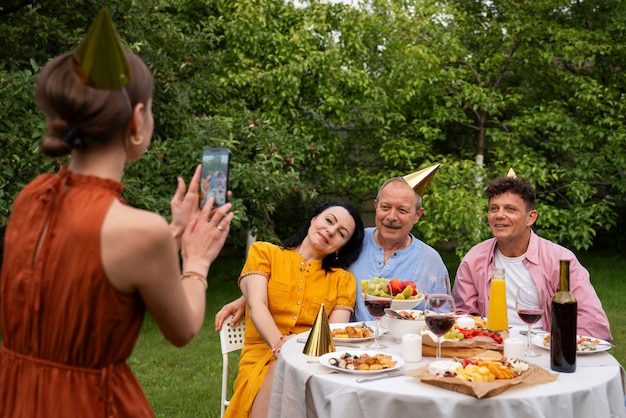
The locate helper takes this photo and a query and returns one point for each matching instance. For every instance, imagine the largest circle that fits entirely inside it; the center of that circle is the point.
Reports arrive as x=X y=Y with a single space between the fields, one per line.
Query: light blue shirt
x=415 y=262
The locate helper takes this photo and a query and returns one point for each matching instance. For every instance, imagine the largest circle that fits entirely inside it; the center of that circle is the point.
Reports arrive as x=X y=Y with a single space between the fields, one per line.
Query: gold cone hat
x=511 y=173
x=420 y=179
x=320 y=339
x=100 y=60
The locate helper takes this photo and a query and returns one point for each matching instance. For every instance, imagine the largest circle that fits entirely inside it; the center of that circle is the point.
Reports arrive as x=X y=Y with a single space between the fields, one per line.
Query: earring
x=136 y=139
x=336 y=256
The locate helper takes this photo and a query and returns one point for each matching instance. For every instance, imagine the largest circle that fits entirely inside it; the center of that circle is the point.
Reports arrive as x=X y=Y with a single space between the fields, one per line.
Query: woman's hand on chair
x=235 y=308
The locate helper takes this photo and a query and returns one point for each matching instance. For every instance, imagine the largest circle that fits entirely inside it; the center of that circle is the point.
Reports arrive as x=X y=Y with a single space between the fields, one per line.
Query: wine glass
x=437 y=283
x=439 y=315
x=529 y=306
x=376 y=308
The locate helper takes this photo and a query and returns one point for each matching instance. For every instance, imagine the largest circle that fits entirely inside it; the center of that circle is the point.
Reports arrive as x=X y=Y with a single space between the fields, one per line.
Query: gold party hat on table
x=100 y=60
x=320 y=340
x=420 y=179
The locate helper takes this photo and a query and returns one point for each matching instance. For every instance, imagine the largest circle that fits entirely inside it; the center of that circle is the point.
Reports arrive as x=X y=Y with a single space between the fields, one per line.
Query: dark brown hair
x=81 y=116
x=348 y=253
x=515 y=185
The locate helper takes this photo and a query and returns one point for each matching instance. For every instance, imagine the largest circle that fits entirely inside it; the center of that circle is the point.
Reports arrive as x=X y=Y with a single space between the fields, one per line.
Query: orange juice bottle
x=497 y=317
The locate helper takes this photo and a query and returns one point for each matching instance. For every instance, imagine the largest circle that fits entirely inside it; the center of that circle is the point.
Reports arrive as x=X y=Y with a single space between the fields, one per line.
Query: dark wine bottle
x=563 y=325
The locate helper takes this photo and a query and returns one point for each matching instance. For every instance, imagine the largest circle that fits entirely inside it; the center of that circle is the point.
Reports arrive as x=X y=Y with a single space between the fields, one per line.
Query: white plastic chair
x=231 y=339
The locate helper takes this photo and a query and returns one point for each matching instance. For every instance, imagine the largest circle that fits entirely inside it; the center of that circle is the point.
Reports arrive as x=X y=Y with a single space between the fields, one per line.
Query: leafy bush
x=326 y=101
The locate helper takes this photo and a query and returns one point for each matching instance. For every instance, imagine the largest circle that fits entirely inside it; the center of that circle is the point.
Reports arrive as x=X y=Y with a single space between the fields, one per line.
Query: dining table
x=304 y=387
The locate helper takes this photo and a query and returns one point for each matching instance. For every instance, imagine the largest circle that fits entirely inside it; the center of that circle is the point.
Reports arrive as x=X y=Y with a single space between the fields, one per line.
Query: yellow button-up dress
x=296 y=290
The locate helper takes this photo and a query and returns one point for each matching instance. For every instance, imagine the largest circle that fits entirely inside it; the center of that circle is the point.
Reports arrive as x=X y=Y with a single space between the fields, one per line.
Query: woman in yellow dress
x=284 y=287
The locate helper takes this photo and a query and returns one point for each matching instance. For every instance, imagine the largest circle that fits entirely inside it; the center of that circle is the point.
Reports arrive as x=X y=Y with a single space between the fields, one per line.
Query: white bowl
x=398 y=327
x=405 y=304
x=397 y=304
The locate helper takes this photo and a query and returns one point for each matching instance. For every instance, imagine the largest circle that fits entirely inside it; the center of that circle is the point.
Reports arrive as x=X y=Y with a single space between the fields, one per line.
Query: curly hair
x=348 y=253
x=515 y=185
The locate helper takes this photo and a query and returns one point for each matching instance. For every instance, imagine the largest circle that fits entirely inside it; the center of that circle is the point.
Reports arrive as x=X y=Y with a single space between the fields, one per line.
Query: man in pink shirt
x=527 y=259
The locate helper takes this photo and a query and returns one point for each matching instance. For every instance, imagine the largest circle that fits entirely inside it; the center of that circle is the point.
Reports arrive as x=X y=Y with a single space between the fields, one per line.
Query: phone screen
x=214 y=181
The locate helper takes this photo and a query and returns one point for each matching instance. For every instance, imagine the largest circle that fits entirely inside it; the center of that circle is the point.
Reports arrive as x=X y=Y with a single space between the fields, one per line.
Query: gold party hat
x=420 y=179
x=511 y=173
x=100 y=60
x=320 y=340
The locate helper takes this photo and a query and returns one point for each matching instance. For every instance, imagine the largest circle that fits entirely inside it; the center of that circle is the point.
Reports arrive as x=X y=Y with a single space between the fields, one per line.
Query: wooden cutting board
x=451 y=352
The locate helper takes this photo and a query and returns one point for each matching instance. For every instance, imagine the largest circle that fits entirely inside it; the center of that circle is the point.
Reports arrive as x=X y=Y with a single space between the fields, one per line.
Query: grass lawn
x=186 y=382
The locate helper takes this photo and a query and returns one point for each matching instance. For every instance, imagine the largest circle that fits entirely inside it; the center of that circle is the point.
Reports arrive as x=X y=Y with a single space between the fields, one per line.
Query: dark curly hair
x=348 y=253
x=516 y=185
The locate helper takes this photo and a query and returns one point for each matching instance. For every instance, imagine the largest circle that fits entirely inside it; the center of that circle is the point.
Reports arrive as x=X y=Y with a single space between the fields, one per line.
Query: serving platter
x=325 y=361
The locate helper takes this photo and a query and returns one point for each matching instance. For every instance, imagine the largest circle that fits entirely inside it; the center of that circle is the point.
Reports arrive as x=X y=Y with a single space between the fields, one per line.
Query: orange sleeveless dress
x=67 y=332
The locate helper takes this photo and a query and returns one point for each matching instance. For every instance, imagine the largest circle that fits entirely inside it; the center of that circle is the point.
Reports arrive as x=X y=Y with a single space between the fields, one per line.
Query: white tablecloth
x=303 y=389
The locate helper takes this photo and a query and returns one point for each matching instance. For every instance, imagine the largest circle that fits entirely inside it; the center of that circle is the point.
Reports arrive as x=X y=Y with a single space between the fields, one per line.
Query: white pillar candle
x=412 y=348
x=514 y=348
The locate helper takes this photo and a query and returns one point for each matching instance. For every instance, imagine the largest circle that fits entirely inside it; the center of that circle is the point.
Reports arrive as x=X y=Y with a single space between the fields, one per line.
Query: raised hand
x=185 y=206
x=204 y=236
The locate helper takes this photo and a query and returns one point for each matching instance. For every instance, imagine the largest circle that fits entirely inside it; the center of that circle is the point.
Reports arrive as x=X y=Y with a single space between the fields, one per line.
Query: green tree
x=325 y=101
x=541 y=86
x=502 y=84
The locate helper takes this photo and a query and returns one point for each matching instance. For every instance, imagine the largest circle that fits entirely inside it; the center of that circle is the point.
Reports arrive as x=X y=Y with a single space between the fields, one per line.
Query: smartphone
x=214 y=181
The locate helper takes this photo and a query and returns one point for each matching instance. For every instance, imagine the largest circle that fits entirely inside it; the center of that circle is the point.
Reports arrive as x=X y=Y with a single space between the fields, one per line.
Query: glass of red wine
x=376 y=307
x=439 y=314
x=529 y=303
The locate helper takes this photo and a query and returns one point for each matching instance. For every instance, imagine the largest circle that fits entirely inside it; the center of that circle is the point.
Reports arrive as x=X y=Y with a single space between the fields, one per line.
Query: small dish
x=399 y=327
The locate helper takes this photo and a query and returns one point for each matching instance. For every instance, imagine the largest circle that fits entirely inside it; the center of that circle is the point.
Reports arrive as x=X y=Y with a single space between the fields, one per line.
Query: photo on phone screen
x=214 y=182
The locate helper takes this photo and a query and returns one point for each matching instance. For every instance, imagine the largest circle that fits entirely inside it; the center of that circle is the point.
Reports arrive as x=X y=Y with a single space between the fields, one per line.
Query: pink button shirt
x=473 y=283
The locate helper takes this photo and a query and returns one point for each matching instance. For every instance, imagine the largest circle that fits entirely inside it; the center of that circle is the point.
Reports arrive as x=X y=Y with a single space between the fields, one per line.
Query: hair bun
x=53 y=146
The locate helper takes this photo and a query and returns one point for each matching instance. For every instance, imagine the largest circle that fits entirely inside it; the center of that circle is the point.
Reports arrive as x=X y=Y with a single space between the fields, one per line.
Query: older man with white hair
x=389 y=250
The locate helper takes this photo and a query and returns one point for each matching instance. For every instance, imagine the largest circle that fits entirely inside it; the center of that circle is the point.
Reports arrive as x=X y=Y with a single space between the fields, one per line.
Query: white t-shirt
x=516 y=275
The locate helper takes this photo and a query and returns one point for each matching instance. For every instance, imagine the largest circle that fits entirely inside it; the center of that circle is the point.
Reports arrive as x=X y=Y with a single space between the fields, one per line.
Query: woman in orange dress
x=284 y=287
x=80 y=266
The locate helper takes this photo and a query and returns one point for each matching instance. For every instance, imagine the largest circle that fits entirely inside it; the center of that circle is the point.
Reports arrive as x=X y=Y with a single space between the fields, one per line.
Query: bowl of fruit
x=413 y=322
x=402 y=294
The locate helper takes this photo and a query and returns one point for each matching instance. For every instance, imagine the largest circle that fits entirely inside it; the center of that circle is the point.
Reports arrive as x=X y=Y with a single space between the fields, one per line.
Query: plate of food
x=353 y=332
x=361 y=362
x=485 y=375
x=584 y=344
